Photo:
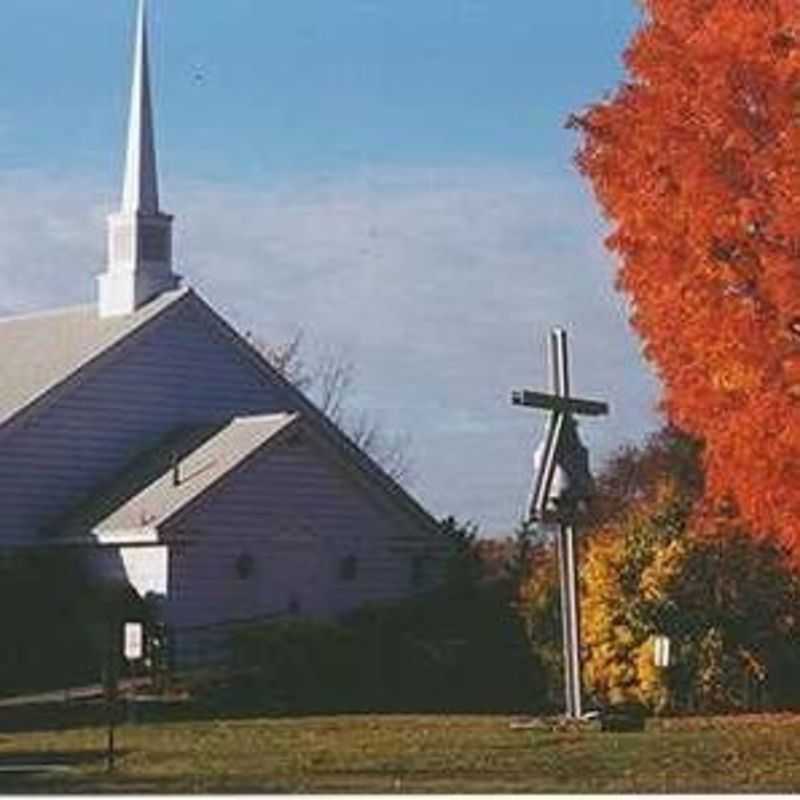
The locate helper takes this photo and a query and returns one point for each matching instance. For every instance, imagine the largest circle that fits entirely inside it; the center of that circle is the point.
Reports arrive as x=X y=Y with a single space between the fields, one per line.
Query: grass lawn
x=415 y=754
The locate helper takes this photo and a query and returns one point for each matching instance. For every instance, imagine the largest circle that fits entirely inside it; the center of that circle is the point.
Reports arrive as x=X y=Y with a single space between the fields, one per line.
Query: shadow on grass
x=62 y=716
x=38 y=772
x=56 y=758
x=52 y=717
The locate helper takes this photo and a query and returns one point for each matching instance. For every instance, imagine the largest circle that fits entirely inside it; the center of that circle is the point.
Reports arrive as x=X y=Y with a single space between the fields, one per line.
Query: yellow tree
x=628 y=579
x=727 y=601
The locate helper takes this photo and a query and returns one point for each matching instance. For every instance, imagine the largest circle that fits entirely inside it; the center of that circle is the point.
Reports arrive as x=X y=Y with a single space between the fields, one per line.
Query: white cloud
x=442 y=283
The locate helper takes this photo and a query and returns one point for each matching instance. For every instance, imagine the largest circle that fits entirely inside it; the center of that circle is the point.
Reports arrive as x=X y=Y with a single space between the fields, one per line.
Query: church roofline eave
x=49 y=393
x=145 y=535
x=113 y=524
x=140 y=535
x=168 y=524
x=112 y=539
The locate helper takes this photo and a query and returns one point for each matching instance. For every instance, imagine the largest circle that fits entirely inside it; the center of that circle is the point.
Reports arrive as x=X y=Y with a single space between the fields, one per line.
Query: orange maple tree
x=695 y=161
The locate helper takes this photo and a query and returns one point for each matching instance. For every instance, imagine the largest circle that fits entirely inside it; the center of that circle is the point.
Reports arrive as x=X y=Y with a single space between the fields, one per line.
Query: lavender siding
x=297 y=512
x=178 y=370
x=296 y=509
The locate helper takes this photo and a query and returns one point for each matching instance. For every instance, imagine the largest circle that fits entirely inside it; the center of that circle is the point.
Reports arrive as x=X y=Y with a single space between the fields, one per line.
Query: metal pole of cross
x=561 y=486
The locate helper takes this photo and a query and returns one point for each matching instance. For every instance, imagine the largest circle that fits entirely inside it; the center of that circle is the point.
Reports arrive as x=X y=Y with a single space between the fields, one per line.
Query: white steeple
x=140 y=235
x=141 y=178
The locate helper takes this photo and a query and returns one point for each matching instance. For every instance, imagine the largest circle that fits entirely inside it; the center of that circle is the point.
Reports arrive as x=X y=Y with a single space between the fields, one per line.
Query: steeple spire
x=141 y=178
x=140 y=235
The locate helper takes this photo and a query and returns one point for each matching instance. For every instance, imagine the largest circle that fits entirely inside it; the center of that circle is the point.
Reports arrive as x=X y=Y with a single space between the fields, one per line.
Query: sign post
x=132 y=650
x=110 y=687
x=561 y=485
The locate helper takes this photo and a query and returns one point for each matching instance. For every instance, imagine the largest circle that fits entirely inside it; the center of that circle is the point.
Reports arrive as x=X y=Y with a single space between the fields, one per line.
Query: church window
x=348 y=568
x=245 y=566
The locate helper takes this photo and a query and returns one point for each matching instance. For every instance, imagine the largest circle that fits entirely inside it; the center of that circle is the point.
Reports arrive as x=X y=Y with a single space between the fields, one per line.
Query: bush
x=297 y=665
x=53 y=635
x=454 y=651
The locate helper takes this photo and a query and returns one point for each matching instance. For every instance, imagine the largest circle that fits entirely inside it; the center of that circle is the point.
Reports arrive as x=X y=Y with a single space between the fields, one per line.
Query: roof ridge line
x=48 y=312
x=63 y=310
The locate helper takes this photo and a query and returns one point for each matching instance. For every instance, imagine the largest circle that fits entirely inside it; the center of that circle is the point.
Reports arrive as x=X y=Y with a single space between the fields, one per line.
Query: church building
x=143 y=433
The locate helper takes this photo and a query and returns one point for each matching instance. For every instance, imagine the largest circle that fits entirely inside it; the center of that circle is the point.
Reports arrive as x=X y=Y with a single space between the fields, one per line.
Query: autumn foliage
x=650 y=564
x=727 y=602
x=696 y=164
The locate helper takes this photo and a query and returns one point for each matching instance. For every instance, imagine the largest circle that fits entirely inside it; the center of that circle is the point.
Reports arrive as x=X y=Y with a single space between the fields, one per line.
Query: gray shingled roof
x=146 y=493
x=39 y=351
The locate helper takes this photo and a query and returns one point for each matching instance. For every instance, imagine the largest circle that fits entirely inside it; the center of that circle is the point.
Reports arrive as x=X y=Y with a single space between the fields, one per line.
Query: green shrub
x=441 y=652
x=47 y=637
x=298 y=665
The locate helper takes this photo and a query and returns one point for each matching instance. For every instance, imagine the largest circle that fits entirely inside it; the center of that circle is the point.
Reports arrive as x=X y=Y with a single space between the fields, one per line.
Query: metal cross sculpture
x=561 y=487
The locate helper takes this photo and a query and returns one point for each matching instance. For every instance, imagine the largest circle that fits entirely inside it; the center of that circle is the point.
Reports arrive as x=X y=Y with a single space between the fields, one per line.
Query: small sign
x=134 y=641
x=661 y=651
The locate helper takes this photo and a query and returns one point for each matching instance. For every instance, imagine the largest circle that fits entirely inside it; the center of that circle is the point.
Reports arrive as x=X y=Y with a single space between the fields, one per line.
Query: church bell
x=572 y=485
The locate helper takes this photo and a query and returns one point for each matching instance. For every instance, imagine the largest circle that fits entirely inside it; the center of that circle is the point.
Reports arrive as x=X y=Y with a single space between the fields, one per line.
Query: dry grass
x=452 y=754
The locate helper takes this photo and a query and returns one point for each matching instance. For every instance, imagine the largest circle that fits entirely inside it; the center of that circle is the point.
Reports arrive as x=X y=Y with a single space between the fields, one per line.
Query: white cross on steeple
x=140 y=235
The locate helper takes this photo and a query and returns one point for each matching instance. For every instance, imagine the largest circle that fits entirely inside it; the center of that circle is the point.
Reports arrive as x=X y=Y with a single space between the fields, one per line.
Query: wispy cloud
x=441 y=283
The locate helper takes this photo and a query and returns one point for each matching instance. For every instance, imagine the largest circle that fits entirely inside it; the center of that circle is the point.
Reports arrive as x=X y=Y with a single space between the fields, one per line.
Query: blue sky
x=311 y=84
x=391 y=176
